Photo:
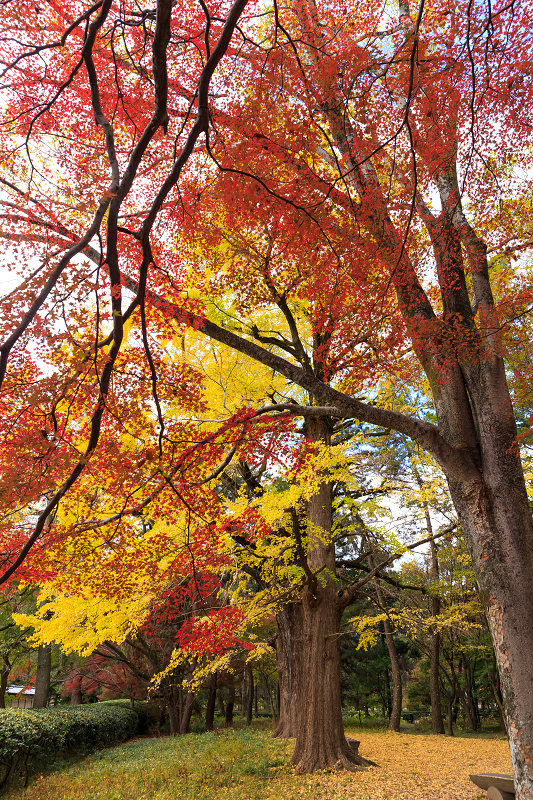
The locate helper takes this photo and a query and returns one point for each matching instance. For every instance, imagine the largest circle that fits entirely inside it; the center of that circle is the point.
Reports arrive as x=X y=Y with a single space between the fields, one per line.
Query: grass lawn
x=249 y=765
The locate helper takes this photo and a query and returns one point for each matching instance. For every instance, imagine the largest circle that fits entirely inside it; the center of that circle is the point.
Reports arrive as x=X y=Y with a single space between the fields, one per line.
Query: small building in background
x=20 y=696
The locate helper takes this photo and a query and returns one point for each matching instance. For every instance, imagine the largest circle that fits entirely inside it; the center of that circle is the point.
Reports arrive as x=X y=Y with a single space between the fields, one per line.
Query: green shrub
x=30 y=738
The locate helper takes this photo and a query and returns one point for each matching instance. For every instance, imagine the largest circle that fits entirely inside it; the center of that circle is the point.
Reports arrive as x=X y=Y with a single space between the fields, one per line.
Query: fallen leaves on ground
x=413 y=767
x=250 y=765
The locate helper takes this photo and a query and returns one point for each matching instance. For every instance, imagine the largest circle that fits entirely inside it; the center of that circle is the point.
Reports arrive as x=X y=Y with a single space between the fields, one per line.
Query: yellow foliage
x=79 y=623
x=414 y=622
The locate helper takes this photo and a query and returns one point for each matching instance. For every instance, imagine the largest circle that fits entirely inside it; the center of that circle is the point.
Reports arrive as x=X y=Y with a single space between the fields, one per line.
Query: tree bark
x=496 y=691
x=173 y=717
x=437 y=723
x=221 y=706
x=251 y=694
x=320 y=740
x=468 y=700
x=228 y=717
x=451 y=701
x=75 y=692
x=42 y=679
x=187 y=713
x=493 y=509
x=211 y=701
x=397 y=689
x=4 y=680
x=289 y=620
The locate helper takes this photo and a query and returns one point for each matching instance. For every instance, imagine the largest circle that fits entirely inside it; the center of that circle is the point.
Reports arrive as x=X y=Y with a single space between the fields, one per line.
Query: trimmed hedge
x=30 y=738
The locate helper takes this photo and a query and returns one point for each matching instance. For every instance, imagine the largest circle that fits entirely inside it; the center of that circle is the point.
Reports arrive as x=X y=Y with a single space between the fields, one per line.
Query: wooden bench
x=498 y=787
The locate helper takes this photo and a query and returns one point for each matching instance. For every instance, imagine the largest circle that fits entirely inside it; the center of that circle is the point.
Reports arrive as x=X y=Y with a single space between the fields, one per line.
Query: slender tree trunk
x=4 y=680
x=397 y=689
x=42 y=679
x=228 y=719
x=211 y=700
x=386 y=694
x=289 y=620
x=437 y=723
x=187 y=713
x=451 y=701
x=251 y=694
x=468 y=701
x=188 y=705
x=271 y=696
x=496 y=691
x=221 y=706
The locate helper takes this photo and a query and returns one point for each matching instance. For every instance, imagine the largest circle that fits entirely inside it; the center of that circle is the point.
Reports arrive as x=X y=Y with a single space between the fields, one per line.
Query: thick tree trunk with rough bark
x=42 y=679
x=288 y=653
x=320 y=740
x=494 y=513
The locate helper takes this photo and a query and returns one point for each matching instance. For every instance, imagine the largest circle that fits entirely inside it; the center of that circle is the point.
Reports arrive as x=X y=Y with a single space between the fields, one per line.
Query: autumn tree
x=385 y=159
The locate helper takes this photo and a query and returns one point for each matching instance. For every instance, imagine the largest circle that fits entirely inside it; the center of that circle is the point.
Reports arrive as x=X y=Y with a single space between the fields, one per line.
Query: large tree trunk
x=42 y=679
x=289 y=620
x=320 y=740
x=493 y=509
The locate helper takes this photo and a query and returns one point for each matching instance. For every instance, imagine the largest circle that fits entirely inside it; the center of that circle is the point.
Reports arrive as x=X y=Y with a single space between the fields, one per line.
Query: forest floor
x=250 y=765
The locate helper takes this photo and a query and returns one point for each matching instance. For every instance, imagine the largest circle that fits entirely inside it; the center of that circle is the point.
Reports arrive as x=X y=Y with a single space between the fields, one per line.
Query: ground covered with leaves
x=249 y=765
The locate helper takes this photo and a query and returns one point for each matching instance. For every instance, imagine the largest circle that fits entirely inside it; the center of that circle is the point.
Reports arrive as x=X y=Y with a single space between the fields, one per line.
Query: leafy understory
x=250 y=765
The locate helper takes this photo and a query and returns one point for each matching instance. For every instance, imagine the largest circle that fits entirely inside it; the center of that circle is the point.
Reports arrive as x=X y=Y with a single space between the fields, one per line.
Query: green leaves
x=32 y=737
